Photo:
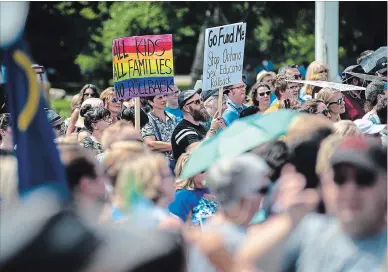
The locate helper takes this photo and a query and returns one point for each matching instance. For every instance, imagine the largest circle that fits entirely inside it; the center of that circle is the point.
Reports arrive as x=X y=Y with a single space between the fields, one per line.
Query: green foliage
x=62 y=107
x=279 y=31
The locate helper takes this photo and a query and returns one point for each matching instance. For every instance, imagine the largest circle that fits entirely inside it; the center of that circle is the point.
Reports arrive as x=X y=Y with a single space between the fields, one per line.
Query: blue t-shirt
x=232 y=112
x=176 y=112
x=193 y=201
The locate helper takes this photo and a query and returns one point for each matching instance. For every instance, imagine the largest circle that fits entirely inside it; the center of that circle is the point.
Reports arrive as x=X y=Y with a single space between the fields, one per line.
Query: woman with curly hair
x=96 y=120
x=87 y=91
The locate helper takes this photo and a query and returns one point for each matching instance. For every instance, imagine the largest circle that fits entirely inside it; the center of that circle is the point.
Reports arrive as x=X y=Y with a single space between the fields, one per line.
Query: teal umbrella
x=242 y=136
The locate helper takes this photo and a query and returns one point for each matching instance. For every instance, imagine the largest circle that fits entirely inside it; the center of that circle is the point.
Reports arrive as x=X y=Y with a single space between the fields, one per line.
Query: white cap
x=367 y=127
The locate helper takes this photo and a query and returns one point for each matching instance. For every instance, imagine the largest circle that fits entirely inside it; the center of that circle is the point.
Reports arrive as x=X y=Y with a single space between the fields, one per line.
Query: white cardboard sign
x=334 y=85
x=223 y=56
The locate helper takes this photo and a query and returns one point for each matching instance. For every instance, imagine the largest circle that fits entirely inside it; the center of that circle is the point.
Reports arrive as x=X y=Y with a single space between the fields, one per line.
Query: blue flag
x=38 y=158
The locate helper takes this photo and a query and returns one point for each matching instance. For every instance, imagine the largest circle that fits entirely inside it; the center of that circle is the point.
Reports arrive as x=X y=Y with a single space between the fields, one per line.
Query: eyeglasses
x=241 y=87
x=324 y=112
x=114 y=100
x=196 y=102
x=363 y=178
x=265 y=94
x=338 y=102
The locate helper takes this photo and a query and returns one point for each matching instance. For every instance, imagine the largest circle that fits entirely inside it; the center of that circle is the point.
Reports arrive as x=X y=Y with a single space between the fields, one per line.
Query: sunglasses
x=265 y=93
x=338 y=102
x=196 y=102
x=363 y=177
x=263 y=190
x=324 y=112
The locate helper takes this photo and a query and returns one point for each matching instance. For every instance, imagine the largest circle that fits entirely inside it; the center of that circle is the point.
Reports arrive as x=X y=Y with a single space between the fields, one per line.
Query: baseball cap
x=184 y=96
x=53 y=117
x=205 y=95
x=367 y=127
x=364 y=152
x=231 y=179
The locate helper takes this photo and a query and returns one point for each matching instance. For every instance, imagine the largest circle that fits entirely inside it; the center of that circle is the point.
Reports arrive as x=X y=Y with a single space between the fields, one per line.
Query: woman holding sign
x=158 y=131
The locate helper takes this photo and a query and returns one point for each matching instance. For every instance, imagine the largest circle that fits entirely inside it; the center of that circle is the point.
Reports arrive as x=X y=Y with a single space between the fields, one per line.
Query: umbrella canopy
x=242 y=136
x=368 y=77
x=334 y=85
x=370 y=61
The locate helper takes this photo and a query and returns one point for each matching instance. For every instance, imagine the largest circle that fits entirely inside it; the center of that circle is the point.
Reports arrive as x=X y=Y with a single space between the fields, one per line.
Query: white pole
x=326 y=35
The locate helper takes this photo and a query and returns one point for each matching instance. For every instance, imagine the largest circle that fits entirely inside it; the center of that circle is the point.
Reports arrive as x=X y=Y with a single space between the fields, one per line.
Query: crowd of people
x=314 y=199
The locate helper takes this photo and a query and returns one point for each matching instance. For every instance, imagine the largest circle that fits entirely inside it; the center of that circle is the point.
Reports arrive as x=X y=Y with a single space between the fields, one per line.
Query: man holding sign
x=223 y=66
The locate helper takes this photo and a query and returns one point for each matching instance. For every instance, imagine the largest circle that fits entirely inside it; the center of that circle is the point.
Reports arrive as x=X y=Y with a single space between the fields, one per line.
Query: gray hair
x=233 y=179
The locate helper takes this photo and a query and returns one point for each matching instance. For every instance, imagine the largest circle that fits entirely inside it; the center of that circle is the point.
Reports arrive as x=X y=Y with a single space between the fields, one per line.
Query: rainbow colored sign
x=143 y=66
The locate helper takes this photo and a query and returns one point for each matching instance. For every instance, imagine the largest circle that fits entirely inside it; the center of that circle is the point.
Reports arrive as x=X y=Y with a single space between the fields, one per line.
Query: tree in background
x=75 y=38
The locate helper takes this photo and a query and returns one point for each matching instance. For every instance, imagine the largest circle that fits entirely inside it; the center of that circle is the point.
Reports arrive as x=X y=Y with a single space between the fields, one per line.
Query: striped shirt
x=184 y=135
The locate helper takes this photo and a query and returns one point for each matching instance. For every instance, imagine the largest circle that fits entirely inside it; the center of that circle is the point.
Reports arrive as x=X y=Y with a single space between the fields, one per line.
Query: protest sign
x=142 y=66
x=223 y=56
x=327 y=84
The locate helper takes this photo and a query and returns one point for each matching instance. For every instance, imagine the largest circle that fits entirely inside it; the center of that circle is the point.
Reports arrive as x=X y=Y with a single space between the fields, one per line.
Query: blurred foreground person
x=356 y=238
x=86 y=180
x=127 y=248
x=346 y=128
x=239 y=185
x=38 y=236
x=9 y=195
x=325 y=173
x=118 y=132
x=6 y=137
x=143 y=190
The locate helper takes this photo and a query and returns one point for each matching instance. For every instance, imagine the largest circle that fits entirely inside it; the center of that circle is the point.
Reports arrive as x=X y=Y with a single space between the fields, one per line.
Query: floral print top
x=193 y=206
x=161 y=130
x=92 y=144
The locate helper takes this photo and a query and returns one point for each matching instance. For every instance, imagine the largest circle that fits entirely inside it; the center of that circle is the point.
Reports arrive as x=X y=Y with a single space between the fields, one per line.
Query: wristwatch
x=212 y=130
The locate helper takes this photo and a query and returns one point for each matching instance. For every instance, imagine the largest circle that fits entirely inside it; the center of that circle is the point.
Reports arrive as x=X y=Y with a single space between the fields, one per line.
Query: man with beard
x=189 y=130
